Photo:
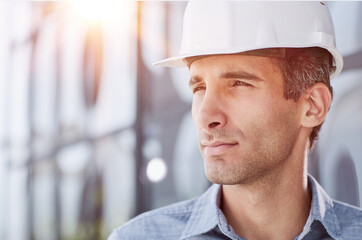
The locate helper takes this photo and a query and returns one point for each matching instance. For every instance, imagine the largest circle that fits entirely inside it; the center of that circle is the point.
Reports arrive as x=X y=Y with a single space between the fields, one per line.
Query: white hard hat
x=227 y=27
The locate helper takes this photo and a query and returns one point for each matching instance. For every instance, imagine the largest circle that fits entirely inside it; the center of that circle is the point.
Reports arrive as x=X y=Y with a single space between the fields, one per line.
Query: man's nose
x=211 y=114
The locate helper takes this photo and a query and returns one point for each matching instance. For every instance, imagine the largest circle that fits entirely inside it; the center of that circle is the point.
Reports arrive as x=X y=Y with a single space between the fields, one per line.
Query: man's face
x=246 y=127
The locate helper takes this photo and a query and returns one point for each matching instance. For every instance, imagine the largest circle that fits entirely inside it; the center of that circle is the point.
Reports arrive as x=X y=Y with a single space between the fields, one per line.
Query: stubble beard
x=261 y=155
x=259 y=164
x=246 y=172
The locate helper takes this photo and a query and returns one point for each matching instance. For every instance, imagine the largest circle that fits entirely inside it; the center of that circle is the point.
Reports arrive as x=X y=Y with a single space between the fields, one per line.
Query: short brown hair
x=300 y=72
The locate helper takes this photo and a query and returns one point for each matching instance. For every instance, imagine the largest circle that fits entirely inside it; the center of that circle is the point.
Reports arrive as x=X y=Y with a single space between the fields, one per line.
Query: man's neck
x=268 y=209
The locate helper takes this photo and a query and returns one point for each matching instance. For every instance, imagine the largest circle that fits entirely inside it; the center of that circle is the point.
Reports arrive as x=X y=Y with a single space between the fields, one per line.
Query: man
x=259 y=73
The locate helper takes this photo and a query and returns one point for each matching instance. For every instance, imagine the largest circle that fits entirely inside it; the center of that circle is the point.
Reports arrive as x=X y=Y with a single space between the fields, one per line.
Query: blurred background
x=91 y=134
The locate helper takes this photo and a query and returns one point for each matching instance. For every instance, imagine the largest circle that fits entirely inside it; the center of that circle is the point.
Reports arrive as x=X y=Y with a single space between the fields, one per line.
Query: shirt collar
x=204 y=217
x=322 y=209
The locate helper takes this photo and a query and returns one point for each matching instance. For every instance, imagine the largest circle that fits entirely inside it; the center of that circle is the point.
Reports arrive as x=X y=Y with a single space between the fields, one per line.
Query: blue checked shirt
x=201 y=218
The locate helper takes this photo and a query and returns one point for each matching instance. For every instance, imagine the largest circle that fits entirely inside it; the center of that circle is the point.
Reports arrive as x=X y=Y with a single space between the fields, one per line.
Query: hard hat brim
x=179 y=61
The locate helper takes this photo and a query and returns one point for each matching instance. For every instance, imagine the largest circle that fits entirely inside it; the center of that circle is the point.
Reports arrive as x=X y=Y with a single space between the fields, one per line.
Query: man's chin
x=223 y=179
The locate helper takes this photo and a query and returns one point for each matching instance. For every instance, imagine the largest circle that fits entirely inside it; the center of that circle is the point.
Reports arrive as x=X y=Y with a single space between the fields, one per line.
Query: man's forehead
x=216 y=64
x=234 y=66
x=267 y=52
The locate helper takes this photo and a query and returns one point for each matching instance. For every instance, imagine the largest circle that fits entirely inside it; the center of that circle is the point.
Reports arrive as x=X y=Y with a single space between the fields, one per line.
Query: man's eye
x=241 y=83
x=196 y=89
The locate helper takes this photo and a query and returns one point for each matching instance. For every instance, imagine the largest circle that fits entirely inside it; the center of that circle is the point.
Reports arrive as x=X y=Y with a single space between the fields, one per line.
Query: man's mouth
x=217 y=148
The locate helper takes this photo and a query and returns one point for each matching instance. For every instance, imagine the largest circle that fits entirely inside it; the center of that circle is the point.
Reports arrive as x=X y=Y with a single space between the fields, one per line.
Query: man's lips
x=217 y=148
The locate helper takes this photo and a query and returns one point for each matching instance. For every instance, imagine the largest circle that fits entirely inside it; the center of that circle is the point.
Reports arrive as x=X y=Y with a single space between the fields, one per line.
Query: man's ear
x=316 y=101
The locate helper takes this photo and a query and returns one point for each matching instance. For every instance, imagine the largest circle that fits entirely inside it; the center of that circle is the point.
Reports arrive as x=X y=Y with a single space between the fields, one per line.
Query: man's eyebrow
x=240 y=74
x=232 y=74
x=195 y=79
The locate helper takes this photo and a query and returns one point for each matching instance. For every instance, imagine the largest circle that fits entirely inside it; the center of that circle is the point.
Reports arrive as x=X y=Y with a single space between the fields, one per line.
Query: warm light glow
x=156 y=170
x=99 y=10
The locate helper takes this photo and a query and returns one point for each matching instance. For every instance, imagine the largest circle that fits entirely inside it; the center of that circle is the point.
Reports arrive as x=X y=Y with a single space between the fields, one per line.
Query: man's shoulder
x=349 y=218
x=163 y=223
